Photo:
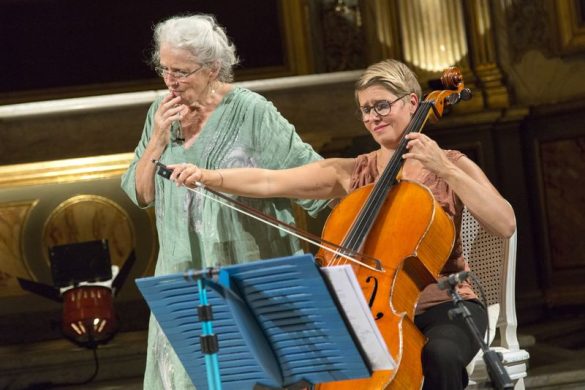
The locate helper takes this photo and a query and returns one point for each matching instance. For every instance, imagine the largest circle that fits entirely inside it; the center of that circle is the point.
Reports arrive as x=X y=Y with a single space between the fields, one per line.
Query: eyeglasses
x=176 y=74
x=381 y=107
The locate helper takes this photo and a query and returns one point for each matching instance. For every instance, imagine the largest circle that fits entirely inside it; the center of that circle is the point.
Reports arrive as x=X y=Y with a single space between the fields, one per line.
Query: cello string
x=305 y=236
x=371 y=209
x=373 y=204
x=364 y=221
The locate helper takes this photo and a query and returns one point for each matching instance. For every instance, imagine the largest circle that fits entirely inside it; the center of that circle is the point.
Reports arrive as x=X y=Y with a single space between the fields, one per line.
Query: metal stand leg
x=493 y=361
x=209 y=345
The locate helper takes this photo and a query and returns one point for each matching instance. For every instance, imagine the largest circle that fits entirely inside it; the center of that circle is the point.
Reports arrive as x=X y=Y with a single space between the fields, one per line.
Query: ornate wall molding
x=66 y=201
x=528 y=27
x=570 y=25
x=343 y=39
x=89 y=217
x=432 y=35
x=380 y=24
x=63 y=171
x=13 y=219
x=428 y=43
x=483 y=53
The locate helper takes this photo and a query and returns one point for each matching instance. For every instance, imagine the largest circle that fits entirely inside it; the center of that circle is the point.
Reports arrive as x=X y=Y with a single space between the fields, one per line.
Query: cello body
x=402 y=226
x=412 y=238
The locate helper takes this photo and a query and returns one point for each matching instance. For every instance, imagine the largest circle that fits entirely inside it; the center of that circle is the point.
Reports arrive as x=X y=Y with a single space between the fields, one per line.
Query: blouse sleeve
x=129 y=177
x=281 y=147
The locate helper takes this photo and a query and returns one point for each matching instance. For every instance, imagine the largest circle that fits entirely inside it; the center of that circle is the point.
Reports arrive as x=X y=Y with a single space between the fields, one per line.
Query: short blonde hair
x=203 y=37
x=392 y=75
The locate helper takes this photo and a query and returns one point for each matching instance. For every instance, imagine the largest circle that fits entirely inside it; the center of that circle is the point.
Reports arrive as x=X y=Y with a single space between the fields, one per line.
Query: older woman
x=388 y=95
x=209 y=122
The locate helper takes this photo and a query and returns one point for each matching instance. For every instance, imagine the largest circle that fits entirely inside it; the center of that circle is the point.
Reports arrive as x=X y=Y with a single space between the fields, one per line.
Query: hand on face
x=168 y=112
x=426 y=151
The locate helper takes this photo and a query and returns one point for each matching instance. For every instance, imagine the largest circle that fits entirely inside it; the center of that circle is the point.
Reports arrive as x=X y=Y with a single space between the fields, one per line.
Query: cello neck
x=369 y=212
x=416 y=124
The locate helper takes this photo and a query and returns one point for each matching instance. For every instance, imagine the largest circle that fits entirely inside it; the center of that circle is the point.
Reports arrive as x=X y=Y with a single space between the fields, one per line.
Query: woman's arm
x=469 y=182
x=323 y=179
x=481 y=198
x=166 y=113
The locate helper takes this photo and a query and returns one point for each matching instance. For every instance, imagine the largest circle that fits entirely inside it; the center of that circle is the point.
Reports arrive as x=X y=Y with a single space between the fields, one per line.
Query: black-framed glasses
x=380 y=107
x=176 y=74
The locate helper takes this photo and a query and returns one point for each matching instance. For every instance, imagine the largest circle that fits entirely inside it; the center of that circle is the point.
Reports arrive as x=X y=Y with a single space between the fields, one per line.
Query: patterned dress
x=245 y=130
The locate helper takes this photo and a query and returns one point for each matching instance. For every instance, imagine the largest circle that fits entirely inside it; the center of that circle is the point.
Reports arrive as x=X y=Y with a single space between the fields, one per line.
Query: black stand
x=496 y=371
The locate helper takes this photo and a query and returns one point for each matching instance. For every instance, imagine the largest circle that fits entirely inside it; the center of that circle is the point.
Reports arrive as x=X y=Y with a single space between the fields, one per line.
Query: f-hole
x=372 y=279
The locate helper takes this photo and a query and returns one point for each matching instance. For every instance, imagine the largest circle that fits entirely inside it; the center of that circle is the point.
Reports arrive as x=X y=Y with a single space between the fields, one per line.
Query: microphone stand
x=493 y=361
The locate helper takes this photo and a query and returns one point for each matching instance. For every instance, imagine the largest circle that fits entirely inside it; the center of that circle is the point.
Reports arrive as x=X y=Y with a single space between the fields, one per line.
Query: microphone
x=179 y=139
x=453 y=280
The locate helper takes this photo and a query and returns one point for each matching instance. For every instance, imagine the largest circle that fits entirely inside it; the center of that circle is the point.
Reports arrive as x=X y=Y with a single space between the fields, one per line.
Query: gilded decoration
x=431 y=46
x=528 y=28
x=63 y=171
x=72 y=201
x=13 y=217
x=570 y=22
x=90 y=217
x=562 y=166
x=343 y=38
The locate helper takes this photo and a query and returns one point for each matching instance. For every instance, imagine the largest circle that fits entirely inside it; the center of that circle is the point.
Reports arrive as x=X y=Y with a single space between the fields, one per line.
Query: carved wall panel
x=13 y=219
x=428 y=45
x=62 y=202
x=528 y=27
x=570 y=25
x=88 y=218
x=563 y=165
x=558 y=163
x=342 y=35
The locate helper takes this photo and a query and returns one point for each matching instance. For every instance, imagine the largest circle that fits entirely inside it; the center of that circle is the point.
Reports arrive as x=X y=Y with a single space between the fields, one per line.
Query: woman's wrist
x=155 y=148
x=212 y=178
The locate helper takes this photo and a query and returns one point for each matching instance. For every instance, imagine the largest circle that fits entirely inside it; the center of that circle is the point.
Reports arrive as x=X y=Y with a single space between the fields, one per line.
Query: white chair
x=493 y=260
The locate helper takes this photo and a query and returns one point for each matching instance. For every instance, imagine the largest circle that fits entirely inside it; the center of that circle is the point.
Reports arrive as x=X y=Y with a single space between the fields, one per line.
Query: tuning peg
x=465 y=94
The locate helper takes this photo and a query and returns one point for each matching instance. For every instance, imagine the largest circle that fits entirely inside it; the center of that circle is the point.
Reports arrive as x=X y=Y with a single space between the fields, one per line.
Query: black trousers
x=450 y=346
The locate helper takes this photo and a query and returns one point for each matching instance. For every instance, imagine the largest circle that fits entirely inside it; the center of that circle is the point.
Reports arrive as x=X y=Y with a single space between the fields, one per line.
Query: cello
x=410 y=244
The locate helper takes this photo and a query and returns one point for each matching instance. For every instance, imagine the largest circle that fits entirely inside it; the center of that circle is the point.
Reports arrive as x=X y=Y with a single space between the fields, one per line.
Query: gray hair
x=392 y=75
x=203 y=37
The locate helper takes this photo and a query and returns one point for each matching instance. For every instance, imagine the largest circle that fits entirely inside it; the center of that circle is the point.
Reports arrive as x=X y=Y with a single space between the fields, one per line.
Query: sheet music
x=356 y=309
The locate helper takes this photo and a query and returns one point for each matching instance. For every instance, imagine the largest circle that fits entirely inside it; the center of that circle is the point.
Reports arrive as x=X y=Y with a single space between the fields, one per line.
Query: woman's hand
x=425 y=150
x=168 y=112
x=191 y=176
x=165 y=115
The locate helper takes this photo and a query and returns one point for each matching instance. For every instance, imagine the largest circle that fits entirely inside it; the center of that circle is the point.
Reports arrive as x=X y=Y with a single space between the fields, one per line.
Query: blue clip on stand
x=209 y=344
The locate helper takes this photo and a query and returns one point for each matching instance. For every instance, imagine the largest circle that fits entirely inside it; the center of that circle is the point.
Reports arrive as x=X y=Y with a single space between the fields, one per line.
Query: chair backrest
x=493 y=260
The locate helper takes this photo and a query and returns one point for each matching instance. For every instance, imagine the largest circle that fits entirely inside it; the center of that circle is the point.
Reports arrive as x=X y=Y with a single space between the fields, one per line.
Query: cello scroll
x=454 y=92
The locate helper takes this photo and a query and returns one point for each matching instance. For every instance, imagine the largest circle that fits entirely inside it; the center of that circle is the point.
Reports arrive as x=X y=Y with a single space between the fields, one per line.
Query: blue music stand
x=208 y=339
x=276 y=322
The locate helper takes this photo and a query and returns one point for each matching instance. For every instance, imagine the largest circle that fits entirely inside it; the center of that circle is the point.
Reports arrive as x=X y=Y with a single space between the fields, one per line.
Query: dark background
x=68 y=43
